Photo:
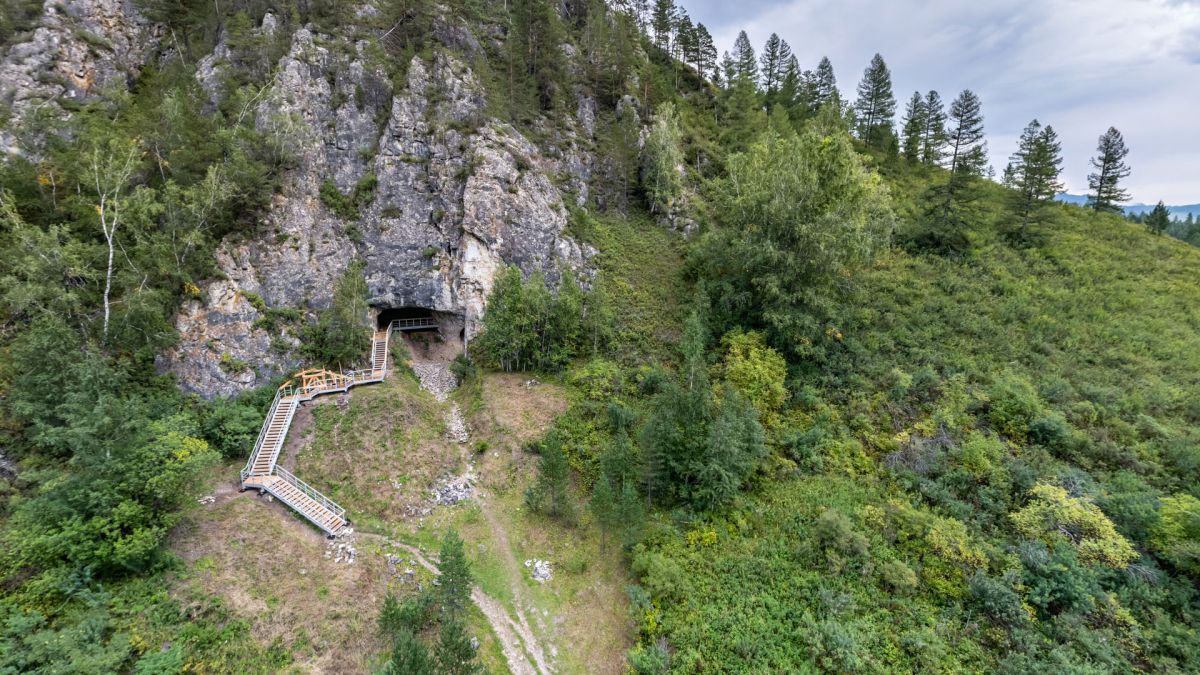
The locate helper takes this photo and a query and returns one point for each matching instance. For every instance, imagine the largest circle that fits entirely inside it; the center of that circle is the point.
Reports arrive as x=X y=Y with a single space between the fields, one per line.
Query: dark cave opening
x=390 y=314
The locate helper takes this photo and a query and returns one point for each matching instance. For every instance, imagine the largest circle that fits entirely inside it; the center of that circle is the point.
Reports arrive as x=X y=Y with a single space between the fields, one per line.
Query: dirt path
x=516 y=636
x=516 y=640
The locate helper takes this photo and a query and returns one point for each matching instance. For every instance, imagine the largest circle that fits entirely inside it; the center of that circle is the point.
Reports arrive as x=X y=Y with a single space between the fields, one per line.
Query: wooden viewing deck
x=261 y=471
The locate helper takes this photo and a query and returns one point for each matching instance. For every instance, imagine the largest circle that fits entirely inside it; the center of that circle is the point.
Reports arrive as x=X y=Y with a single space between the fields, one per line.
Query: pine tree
x=745 y=67
x=455 y=575
x=933 y=139
x=549 y=494
x=825 y=84
x=1106 y=193
x=914 y=127
x=968 y=159
x=1033 y=172
x=789 y=86
x=604 y=507
x=455 y=655
x=707 y=50
x=686 y=40
x=876 y=104
x=409 y=655
x=663 y=21
x=773 y=62
x=631 y=514
x=1159 y=219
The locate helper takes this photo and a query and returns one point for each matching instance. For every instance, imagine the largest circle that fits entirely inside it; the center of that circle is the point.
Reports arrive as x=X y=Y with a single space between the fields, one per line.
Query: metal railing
x=404 y=324
x=311 y=492
x=261 y=435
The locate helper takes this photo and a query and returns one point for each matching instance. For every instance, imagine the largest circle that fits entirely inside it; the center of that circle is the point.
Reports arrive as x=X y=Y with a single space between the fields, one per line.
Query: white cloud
x=1079 y=65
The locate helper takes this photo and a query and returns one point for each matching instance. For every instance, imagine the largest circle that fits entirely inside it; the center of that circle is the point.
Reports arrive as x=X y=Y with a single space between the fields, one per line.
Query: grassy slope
x=1100 y=320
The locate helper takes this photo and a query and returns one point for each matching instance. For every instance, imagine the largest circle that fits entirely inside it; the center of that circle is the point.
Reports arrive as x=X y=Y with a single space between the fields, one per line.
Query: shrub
x=1058 y=519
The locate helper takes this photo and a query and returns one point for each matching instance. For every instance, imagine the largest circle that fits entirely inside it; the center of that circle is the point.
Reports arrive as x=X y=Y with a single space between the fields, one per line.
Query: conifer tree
x=745 y=66
x=455 y=575
x=968 y=159
x=933 y=139
x=773 y=62
x=1033 y=172
x=825 y=84
x=914 y=128
x=631 y=514
x=409 y=655
x=549 y=494
x=1159 y=219
x=685 y=40
x=789 y=86
x=663 y=22
x=707 y=50
x=876 y=104
x=604 y=507
x=455 y=655
x=1106 y=192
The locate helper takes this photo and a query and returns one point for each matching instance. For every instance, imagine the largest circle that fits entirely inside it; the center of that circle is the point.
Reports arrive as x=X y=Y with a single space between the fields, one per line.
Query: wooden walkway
x=262 y=472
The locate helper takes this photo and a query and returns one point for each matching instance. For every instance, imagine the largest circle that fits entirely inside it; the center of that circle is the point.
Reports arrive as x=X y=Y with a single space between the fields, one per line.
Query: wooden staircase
x=261 y=471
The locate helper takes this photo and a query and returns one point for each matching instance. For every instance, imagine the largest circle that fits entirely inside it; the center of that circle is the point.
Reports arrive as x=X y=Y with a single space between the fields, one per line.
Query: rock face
x=79 y=48
x=447 y=195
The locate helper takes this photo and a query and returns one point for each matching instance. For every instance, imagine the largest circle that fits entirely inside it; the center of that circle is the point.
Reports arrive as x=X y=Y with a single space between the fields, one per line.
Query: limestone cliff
x=453 y=194
x=79 y=48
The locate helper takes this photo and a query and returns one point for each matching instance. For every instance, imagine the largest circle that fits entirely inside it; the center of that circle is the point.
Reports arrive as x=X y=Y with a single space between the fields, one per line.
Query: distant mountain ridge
x=1178 y=211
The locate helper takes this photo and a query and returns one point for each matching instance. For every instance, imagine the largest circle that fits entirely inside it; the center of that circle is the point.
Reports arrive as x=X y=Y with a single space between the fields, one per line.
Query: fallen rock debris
x=539 y=569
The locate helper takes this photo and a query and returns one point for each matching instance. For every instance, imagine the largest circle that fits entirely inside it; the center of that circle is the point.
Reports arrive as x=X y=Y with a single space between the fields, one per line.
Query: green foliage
x=662 y=157
x=349 y=206
x=757 y=372
x=341 y=335
x=527 y=327
x=454 y=653
x=796 y=213
x=1056 y=518
x=1176 y=537
x=409 y=656
x=551 y=493
x=455 y=578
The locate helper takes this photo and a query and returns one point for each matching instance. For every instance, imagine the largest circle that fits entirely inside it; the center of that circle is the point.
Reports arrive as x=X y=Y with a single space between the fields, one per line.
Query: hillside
x=713 y=370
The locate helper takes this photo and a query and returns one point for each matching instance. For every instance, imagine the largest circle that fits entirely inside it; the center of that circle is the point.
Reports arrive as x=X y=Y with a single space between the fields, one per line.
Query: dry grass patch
x=269 y=567
x=378 y=455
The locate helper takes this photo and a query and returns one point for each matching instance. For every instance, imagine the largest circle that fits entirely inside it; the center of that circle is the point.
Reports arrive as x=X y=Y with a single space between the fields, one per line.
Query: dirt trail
x=516 y=640
x=520 y=645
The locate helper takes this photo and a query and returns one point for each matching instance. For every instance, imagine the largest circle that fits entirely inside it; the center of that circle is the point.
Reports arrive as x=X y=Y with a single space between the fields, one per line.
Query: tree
x=631 y=515
x=795 y=212
x=745 y=67
x=706 y=49
x=686 y=40
x=876 y=106
x=757 y=372
x=1033 y=172
x=663 y=21
x=110 y=167
x=774 y=60
x=933 y=142
x=914 y=128
x=454 y=575
x=534 y=55
x=455 y=655
x=550 y=493
x=341 y=336
x=1106 y=193
x=1159 y=219
x=968 y=157
x=825 y=84
x=409 y=655
x=604 y=507
x=734 y=447
x=661 y=159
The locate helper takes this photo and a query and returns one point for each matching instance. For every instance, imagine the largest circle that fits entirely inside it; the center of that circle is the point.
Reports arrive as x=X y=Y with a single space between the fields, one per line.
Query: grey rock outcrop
x=79 y=48
x=453 y=195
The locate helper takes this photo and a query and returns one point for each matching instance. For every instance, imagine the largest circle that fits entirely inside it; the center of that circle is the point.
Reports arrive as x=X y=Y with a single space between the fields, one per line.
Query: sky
x=1080 y=66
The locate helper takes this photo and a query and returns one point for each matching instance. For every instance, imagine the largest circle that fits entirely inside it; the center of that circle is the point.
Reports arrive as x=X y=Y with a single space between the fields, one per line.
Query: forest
x=883 y=408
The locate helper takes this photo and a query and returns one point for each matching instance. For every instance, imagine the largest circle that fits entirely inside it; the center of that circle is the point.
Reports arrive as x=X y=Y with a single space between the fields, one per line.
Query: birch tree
x=109 y=172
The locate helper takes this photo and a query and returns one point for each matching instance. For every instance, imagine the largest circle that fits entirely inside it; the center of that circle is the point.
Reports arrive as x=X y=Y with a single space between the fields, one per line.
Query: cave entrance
x=407 y=318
